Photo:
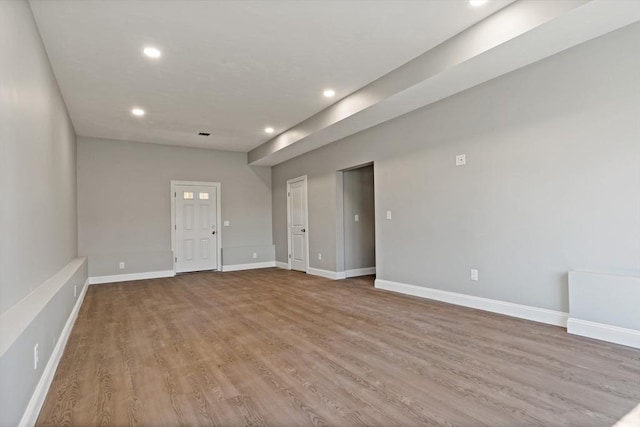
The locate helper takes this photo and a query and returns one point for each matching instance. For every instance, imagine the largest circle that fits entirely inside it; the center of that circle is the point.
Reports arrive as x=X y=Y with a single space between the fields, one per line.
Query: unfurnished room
x=320 y=213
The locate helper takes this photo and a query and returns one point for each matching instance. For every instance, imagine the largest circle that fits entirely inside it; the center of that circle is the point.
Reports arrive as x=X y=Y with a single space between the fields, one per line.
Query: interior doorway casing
x=218 y=237
x=356 y=236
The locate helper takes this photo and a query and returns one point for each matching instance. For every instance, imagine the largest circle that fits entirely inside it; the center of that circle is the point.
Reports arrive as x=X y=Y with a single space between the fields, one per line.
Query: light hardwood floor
x=280 y=348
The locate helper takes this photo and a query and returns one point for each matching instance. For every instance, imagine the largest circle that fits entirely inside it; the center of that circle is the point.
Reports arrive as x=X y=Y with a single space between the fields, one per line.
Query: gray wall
x=607 y=299
x=37 y=161
x=18 y=378
x=359 y=236
x=552 y=181
x=124 y=208
x=38 y=234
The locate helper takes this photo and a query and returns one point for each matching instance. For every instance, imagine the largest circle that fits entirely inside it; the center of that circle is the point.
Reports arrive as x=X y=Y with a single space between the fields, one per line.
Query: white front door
x=298 y=243
x=196 y=244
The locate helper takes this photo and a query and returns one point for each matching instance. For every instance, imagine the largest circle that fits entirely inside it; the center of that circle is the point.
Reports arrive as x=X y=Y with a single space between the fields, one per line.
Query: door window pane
x=187 y=195
x=203 y=196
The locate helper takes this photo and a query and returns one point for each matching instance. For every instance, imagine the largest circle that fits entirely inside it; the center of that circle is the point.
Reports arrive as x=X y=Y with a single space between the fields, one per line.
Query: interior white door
x=297 y=193
x=196 y=243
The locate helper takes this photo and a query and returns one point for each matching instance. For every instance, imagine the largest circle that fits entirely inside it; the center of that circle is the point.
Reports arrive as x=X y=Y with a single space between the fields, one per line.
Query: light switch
x=388 y=214
x=474 y=275
x=356 y=217
x=226 y=223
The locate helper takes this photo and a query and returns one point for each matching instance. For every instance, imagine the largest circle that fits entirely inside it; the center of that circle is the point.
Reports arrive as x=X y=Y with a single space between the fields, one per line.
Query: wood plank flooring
x=281 y=348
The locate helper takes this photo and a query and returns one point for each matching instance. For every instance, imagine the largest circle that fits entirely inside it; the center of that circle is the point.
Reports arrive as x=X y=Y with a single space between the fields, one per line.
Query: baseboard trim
x=251 y=266
x=97 y=280
x=536 y=314
x=40 y=393
x=604 y=332
x=361 y=272
x=333 y=275
x=282 y=265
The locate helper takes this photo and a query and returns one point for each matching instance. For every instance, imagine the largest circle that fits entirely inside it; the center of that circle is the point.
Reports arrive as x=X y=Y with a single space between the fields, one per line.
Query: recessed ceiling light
x=152 y=52
x=477 y=2
x=329 y=93
x=269 y=130
x=137 y=112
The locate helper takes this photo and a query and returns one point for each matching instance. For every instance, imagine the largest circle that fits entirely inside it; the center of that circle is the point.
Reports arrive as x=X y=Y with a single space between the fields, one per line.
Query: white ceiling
x=229 y=67
x=516 y=36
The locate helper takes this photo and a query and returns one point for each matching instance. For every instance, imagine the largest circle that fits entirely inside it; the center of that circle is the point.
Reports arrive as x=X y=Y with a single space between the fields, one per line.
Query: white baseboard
x=96 y=280
x=631 y=419
x=536 y=314
x=361 y=272
x=601 y=331
x=333 y=275
x=251 y=266
x=40 y=393
x=282 y=265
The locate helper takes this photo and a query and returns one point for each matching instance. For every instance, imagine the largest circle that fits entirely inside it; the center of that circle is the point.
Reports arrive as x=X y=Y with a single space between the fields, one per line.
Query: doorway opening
x=356 y=207
x=195 y=226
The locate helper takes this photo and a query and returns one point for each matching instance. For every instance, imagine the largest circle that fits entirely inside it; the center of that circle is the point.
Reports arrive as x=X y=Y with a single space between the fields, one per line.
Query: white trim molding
x=601 y=331
x=333 y=275
x=250 y=266
x=30 y=415
x=282 y=265
x=97 y=280
x=360 y=272
x=536 y=314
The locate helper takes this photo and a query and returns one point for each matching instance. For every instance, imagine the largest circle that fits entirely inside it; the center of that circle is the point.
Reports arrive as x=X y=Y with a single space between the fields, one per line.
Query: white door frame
x=306 y=219
x=173 y=218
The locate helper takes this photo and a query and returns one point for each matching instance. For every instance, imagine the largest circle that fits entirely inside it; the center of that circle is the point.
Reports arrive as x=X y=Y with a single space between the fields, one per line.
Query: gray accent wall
x=124 y=205
x=19 y=380
x=359 y=236
x=606 y=299
x=38 y=232
x=551 y=184
x=244 y=255
x=37 y=161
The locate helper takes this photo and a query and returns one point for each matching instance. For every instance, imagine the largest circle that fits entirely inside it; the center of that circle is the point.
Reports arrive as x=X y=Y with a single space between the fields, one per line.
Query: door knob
x=213 y=232
x=303 y=230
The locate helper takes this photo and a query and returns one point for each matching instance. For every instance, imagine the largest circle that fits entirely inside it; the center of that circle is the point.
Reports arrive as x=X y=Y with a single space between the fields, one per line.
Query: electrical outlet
x=121 y=265
x=474 y=275
x=388 y=214
x=461 y=159
x=356 y=217
x=319 y=256
x=226 y=223
x=35 y=357
x=75 y=291
x=255 y=255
